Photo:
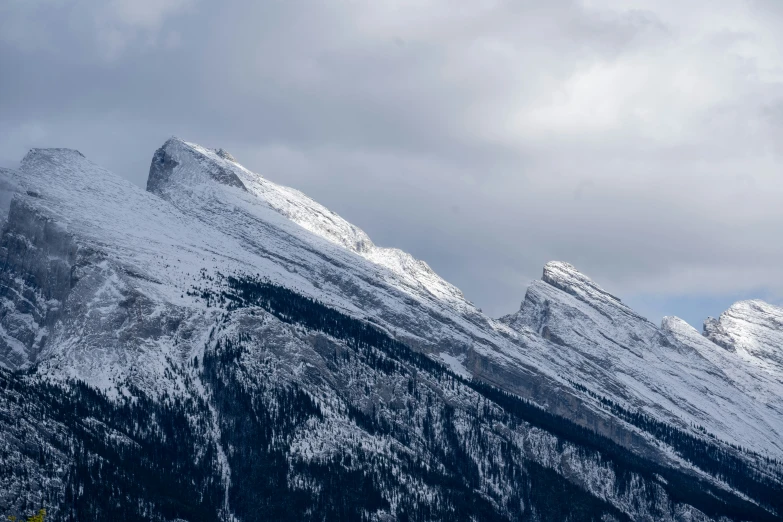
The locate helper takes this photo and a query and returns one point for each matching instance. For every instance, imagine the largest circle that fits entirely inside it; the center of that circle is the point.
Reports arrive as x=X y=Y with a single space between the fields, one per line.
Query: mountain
x=220 y=347
x=669 y=372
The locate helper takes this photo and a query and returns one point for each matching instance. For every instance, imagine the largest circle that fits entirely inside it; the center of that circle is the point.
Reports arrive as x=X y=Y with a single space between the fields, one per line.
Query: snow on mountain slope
x=392 y=289
x=126 y=259
x=764 y=387
x=98 y=278
x=677 y=387
x=753 y=330
x=105 y=264
x=598 y=316
x=595 y=340
x=334 y=261
x=305 y=212
x=114 y=265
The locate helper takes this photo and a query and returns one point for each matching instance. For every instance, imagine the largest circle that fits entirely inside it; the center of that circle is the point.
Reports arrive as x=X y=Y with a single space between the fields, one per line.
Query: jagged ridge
x=120 y=317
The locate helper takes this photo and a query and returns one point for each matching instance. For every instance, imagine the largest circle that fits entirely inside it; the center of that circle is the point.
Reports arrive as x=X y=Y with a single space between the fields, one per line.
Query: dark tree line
x=719 y=459
x=133 y=459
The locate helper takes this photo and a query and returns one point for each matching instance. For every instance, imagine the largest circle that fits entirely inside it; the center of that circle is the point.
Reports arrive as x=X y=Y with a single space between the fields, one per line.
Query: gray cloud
x=637 y=140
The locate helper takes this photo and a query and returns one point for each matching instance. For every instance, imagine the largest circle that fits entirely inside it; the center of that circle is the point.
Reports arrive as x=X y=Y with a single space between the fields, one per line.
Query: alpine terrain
x=218 y=347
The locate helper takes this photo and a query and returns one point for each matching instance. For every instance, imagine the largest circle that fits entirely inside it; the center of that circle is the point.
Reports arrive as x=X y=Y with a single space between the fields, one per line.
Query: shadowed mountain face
x=220 y=347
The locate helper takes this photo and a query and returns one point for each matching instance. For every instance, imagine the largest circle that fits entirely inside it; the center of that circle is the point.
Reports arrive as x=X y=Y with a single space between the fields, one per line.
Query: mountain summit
x=568 y=279
x=754 y=331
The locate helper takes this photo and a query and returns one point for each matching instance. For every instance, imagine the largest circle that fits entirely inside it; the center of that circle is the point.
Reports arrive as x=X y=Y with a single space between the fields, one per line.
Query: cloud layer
x=638 y=140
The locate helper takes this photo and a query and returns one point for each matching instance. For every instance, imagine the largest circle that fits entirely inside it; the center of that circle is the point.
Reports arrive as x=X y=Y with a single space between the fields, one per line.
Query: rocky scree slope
x=219 y=347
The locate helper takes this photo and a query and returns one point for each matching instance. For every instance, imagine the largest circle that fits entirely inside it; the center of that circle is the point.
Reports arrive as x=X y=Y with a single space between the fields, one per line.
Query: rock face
x=589 y=312
x=220 y=347
x=669 y=373
x=38 y=261
x=754 y=331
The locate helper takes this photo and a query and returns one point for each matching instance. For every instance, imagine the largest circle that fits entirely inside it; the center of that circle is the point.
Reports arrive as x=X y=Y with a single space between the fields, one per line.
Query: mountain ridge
x=215 y=275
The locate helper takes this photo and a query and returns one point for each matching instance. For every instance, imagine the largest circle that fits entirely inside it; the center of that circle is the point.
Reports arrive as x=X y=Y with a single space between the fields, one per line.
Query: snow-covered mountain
x=753 y=330
x=669 y=372
x=236 y=330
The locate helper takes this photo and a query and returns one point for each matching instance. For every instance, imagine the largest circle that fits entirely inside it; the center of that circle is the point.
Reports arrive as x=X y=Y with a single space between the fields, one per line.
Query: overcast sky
x=639 y=140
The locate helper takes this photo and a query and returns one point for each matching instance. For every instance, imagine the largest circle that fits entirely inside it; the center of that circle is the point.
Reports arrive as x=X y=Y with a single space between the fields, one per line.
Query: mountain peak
x=672 y=323
x=54 y=151
x=757 y=308
x=223 y=153
x=569 y=309
x=567 y=278
x=56 y=155
x=747 y=326
x=173 y=163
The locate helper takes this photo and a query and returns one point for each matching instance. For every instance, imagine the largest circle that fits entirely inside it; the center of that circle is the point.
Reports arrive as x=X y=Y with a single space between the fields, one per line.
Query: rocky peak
x=674 y=324
x=758 y=312
x=569 y=309
x=165 y=168
x=51 y=153
x=53 y=160
x=715 y=332
x=753 y=327
x=675 y=328
x=225 y=155
x=565 y=277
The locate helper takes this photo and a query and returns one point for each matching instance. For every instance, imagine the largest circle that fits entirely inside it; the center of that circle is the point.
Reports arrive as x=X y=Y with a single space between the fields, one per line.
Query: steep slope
x=338 y=264
x=95 y=266
x=755 y=380
x=598 y=342
x=269 y=218
x=754 y=331
x=308 y=214
x=405 y=298
x=223 y=348
x=326 y=419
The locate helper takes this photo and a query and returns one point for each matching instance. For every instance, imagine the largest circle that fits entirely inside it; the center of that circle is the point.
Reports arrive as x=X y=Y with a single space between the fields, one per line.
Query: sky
x=639 y=140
